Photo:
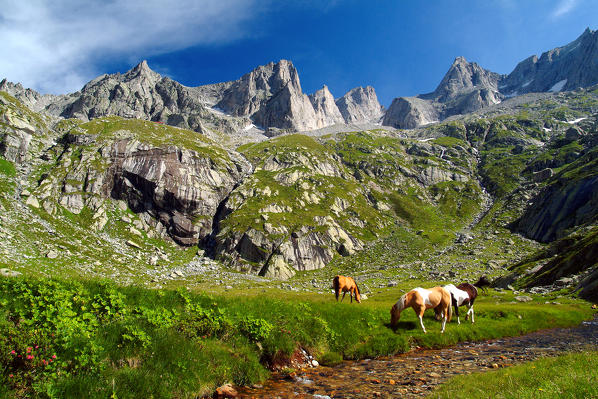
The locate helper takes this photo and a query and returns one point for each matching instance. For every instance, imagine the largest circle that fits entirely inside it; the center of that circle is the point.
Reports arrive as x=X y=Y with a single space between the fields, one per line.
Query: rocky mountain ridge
x=467 y=87
x=270 y=97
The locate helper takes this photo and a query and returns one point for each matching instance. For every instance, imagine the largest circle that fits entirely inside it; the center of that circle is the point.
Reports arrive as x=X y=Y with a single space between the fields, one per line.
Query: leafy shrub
x=255 y=329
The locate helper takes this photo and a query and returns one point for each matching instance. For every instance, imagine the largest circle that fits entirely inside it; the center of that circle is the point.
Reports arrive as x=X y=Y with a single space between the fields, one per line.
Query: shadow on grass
x=403 y=325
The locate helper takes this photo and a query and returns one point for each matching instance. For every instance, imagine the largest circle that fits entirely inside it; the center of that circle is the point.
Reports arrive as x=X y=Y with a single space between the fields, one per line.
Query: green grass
x=572 y=375
x=7 y=168
x=135 y=342
x=156 y=134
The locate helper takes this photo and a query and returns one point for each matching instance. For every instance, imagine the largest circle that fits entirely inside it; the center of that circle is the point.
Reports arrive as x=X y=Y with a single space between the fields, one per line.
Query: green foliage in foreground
x=569 y=376
x=94 y=339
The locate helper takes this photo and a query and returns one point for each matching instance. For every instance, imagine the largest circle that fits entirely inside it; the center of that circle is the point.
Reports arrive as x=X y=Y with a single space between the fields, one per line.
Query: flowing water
x=416 y=373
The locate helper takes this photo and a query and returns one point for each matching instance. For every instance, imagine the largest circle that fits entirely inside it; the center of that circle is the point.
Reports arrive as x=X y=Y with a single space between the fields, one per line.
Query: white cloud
x=53 y=46
x=564 y=7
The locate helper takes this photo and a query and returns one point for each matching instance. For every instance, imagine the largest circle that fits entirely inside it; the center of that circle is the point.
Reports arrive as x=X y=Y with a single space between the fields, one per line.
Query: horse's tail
x=336 y=286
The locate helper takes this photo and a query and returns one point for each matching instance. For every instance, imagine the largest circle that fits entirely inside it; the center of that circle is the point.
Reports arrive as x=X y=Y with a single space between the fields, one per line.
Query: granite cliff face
x=360 y=104
x=327 y=113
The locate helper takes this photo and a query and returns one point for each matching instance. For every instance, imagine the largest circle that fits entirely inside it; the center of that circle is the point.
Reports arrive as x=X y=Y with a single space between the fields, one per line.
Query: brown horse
x=482 y=283
x=421 y=299
x=346 y=284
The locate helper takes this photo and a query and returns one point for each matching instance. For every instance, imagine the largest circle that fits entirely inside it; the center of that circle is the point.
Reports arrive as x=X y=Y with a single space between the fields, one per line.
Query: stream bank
x=417 y=373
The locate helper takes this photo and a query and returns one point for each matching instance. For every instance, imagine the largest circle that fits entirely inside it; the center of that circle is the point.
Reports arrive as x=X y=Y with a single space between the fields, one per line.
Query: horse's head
x=395 y=311
x=395 y=315
x=357 y=294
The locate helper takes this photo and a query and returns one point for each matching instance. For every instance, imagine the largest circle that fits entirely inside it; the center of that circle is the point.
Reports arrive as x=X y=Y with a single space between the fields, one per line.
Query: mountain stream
x=416 y=373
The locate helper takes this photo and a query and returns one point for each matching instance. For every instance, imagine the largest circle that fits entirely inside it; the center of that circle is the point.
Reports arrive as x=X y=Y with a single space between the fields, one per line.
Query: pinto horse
x=463 y=294
x=421 y=299
x=346 y=284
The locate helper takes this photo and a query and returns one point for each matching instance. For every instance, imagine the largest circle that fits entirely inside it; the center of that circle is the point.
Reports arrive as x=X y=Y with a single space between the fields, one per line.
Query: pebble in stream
x=416 y=373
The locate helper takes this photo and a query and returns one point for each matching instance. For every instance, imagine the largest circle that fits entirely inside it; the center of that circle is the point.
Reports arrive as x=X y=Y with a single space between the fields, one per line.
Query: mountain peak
x=142 y=70
x=460 y=60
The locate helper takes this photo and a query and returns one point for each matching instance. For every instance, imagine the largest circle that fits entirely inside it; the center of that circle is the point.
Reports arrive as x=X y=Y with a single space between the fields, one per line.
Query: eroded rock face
x=410 y=112
x=558 y=207
x=19 y=126
x=360 y=104
x=327 y=113
x=177 y=187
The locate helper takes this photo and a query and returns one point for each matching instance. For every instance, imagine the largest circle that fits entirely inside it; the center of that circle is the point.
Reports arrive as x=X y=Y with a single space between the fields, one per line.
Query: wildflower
x=29 y=349
x=36 y=346
x=11 y=375
x=29 y=357
x=53 y=356
x=12 y=352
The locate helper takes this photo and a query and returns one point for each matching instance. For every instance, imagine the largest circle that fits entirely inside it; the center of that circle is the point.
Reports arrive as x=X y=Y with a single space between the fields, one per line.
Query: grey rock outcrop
x=360 y=104
x=140 y=93
x=178 y=188
x=466 y=87
x=176 y=191
x=560 y=206
x=410 y=112
x=327 y=113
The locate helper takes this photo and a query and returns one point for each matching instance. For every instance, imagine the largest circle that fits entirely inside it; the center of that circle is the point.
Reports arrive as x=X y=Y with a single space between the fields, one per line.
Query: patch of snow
x=558 y=86
x=573 y=122
x=424 y=140
x=513 y=94
x=527 y=83
x=546 y=129
x=249 y=127
x=429 y=123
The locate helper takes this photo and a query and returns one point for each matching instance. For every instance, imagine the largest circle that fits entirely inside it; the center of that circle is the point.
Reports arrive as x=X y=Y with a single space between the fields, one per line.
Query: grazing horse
x=421 y=299
x=472 y=291
x=482 y=283
x=463 y=294
x=346 y=284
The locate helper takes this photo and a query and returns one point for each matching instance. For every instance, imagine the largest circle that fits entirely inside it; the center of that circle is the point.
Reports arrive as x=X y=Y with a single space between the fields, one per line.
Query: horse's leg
x=344 y=293
x=420 y=315
x=457 y=312
x=351 y=294
x=444 y=318
x=471 y=310
x=336 y=292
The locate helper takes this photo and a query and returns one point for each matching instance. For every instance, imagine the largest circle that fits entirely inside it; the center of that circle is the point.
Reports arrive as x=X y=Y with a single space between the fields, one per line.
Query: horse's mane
x=356 y=287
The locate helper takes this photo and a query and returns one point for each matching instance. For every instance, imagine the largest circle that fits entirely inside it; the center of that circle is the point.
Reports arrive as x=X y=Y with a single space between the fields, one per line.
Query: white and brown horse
x=421 y=299
x=346 y=284
x=462 y=295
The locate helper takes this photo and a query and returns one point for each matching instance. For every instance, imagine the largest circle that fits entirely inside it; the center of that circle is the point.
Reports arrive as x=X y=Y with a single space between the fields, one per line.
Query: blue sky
x=401 y=48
